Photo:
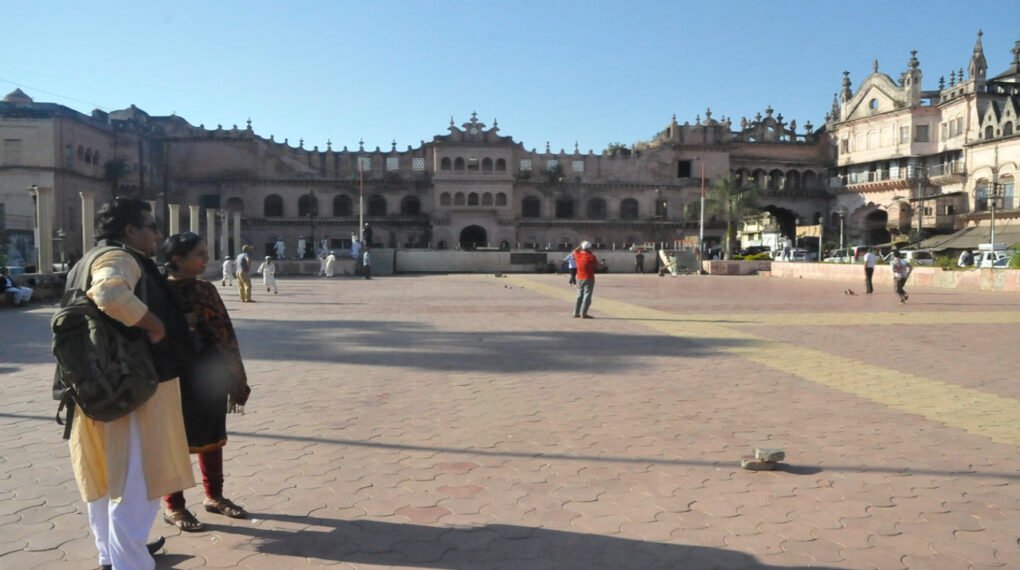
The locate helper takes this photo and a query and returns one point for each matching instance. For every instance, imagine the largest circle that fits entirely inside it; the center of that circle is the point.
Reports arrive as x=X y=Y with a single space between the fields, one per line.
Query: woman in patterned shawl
x=212 y=385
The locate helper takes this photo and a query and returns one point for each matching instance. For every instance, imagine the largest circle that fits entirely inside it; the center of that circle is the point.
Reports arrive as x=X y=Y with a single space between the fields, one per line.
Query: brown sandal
x=183 y=519
x=225 y=507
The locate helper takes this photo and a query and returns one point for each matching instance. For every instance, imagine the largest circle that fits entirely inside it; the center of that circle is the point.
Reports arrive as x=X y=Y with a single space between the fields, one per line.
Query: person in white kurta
x=229 y=269
x=300 y=248
x=123 y=467
x=281 y=248
x=322 y=263
x=268 y=271
x=330 y=264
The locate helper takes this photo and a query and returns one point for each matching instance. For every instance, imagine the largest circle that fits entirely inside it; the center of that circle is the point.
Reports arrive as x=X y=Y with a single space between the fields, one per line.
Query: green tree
x=729 y=203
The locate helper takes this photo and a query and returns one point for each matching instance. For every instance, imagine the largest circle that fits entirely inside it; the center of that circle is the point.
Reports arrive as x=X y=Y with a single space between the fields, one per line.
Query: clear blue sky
x=593 y=71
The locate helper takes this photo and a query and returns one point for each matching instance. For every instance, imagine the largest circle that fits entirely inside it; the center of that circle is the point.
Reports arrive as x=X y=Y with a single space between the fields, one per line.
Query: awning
x=969 y=238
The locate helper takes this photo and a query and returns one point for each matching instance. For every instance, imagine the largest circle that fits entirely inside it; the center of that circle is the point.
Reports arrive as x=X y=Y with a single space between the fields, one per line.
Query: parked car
x=840 y=256
x=16 y=269
x=1001 y=263
x=914 y=256
x=988 y=259
x=754 y=250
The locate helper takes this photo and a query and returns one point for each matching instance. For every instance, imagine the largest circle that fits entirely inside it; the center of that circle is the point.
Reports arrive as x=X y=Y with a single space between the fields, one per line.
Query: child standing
x=268 y=271
x=212 y=384
x=228 y=271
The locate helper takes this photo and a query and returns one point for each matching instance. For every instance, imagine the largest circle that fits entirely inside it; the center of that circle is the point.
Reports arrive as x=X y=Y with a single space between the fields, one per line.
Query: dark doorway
x=876 y=229
x=472 y=237
x=787 y=220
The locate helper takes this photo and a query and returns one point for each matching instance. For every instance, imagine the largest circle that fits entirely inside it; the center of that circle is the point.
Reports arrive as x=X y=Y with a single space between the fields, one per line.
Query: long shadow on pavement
x=489 y=547
x=414 y=345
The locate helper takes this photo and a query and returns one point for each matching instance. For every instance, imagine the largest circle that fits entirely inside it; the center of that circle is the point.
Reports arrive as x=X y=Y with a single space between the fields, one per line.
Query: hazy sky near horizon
x=593 y=72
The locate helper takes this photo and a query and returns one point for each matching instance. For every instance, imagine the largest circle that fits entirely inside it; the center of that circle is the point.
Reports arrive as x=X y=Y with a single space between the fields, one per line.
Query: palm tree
x=728 y=202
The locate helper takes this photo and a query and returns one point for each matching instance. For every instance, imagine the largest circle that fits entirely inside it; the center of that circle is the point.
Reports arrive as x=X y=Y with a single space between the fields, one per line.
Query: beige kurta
x=99 y=449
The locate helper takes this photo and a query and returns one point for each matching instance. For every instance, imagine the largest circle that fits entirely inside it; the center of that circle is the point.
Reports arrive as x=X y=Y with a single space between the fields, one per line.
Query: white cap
x=586 y=244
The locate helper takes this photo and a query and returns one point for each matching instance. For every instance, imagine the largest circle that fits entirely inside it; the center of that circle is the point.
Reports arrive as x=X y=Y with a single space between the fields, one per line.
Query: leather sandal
x=183 y=519
x=225 y=507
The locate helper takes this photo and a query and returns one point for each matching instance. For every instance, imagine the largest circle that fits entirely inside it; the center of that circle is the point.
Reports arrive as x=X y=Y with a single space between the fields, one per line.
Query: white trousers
x=21 y=294
x=228 y=278
x=122 y=527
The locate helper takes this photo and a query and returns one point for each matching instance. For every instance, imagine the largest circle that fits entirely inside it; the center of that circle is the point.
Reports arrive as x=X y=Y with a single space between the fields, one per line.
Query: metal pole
x=701 y=221
x=995 y=199
x=361 y=201
x=821 y=234
x=841 y=233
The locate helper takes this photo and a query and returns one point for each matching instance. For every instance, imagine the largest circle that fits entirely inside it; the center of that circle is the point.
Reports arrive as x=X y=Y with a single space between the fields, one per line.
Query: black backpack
x=104 y=367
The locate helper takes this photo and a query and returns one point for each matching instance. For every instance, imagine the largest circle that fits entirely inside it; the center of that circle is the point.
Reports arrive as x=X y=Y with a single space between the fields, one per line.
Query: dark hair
x=116 y=215
x=178 y=244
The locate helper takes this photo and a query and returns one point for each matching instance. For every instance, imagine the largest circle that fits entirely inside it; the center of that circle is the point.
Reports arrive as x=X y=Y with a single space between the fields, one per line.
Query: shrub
x=945 y=263
x=759 y=257
x=1014 y=262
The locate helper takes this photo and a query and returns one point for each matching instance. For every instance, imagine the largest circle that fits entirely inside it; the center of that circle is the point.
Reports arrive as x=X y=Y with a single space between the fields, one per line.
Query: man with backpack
x=124 y=465
x=244 y=274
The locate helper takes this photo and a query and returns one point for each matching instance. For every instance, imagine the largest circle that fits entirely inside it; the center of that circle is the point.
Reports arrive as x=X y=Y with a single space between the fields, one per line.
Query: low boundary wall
x=973 y=279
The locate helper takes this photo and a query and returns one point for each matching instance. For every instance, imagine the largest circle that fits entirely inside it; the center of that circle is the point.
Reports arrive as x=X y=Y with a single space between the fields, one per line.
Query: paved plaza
x=467 y=422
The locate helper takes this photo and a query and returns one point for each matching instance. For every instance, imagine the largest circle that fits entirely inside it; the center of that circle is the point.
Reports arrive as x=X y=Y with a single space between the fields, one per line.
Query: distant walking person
x=586 y=264
x=268 y=271
x=366 y=262
x=330 y=268
x=901 y=271
x=229 y=269
x=213 y=383
x=870 y=260
x=572 y=266
x=639 y=262
x=244 y=274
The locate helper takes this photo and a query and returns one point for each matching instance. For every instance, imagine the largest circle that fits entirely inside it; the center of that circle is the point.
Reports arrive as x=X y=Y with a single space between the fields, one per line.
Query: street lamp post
x=821 y=235
x=841 y=212
x=313 y=211
x=796 y=234
x=361 y=200
x=994 y=194
x=920 y=175
x=701 y=216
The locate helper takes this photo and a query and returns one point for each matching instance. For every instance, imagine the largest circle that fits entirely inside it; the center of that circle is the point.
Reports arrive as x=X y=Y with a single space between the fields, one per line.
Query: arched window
x=500 y=198
x=410 y=206
x=808 y=179
x=1008 y=191
x=531 y=207
x=759 y=179
x=444 y=199
x=473 y=199
x=81 y=152
x=88 y=156
x=1007 y=129
x=792 y=180
x=564 y=208
x=458 y=164
x=981 y=196
x=444 y=164
x=597 y=209
x=500 y=165
x=377 y=206
x=235 y=204
x=775 y=180
x=272 y=206
x=308 y=205
x=989 y=132
x=95 y=156
x=487 y=164
x=629 y=209
x=487 y=199
x=458 y=199
x=341 y=205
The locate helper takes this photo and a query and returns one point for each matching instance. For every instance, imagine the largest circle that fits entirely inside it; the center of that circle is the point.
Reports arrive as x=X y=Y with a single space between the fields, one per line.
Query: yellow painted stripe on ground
x=992 y=416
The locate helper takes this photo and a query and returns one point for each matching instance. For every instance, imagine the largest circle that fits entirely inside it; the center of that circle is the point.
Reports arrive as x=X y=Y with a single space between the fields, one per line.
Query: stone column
x=193 y=213
x=155 y=210
x=44 y=229
x=224 y=234
x=88 y=220
x=210 y=232
x=174 y=216
x=237 y=234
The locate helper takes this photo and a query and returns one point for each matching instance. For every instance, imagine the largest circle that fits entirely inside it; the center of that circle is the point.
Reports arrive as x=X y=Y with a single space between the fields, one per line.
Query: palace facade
x=892 y=161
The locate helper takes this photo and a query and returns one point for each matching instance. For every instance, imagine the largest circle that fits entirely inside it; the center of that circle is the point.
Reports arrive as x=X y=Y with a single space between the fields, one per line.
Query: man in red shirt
x=586 y=263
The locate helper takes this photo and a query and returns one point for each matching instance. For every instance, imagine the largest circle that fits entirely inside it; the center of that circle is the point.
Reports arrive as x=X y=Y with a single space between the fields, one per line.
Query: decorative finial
x=547 y=151
x=808 y=127
x=942 y=82
x=495 y=123
x=219 y=126
x=286 y=141
x=1016 y=53
x=361 y=145
x=249 y=123
x=235 y=126
x=697 y=120
x=708 y=115
x=874 y=66
x=768 y=111
x=451 y=120
x=952 y=78
x=271 y=137
x=914 y=64
x=393 y=144
x=474 y=117
x=329 y=144
x=575 y=147
x=301 y=143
